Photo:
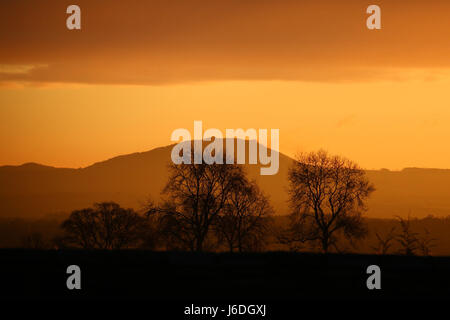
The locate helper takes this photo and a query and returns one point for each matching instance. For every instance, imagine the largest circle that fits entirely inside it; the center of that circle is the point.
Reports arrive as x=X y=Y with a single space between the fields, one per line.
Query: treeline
x=204 y=208
x=45 y=233
x=215 y=207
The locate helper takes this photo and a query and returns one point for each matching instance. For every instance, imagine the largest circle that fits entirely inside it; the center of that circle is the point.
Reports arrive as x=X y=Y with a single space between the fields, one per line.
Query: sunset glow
x=72 y=98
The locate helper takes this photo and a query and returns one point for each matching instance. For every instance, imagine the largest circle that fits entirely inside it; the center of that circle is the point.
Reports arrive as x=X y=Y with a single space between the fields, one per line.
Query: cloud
x=162 y=42
x=13 y=69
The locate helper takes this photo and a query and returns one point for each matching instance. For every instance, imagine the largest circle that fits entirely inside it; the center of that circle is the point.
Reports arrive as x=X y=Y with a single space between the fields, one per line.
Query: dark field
x=219 y=276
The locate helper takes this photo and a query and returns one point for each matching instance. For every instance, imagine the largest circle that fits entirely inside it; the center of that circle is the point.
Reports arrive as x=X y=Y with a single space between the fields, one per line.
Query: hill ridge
x=32 y=189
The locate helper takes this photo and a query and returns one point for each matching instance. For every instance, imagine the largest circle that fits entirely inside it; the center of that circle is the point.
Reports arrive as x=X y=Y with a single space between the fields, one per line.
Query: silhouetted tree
x=243 y=223
x=411 y=242
x=195 y=195
x=150 y=236
x=35 y=241
x=384 y=243
x=407 y=239
x=426 y=242
x=172 y=231
x=105 y=226
x=327 y=194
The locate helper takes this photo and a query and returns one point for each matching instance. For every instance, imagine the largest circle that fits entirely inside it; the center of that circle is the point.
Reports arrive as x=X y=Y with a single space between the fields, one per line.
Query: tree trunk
x=199 y=244
x=325 y=244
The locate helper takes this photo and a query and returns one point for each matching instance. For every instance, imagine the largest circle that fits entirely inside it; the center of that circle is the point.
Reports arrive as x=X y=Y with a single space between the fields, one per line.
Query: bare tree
x=196 y=194
x=173 y=232
x=35 y=241
x=426 y=242
x=384 y=243
x=243 y=223
x=408 y=240
x=327 y=195
x=105 y=226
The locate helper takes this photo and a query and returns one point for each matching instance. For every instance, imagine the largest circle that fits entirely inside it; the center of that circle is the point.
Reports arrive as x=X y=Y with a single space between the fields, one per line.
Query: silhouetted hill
x=33 y=190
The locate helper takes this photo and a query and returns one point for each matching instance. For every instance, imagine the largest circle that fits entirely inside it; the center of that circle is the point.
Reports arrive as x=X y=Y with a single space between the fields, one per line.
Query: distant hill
x=34 y=190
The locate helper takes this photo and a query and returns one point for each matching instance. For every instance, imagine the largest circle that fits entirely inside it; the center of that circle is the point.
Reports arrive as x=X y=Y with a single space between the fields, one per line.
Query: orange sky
x=140 y=69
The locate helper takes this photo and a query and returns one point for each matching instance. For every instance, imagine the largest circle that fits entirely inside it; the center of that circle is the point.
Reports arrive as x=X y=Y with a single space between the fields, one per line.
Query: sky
x=138 y=70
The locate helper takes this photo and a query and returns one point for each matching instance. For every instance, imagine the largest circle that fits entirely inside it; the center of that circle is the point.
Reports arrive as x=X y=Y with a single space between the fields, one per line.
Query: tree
x=35 y=241
x=408 y=239
x=105 y=226
x=195 y=195
x=426 y=242
x=411 y=242
x=173 y=232
x=384 y=243
x=327 y=195
x=244 y=222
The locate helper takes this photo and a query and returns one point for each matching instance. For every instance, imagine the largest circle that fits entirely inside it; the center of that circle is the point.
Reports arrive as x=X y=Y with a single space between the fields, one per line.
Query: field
x=167 y=276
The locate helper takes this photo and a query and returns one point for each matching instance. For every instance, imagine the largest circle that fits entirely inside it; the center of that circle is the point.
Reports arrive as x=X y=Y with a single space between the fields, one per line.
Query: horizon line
x=165 y=146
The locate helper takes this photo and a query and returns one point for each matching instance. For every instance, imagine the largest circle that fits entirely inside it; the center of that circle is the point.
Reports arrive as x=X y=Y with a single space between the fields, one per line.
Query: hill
x=33 y=190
